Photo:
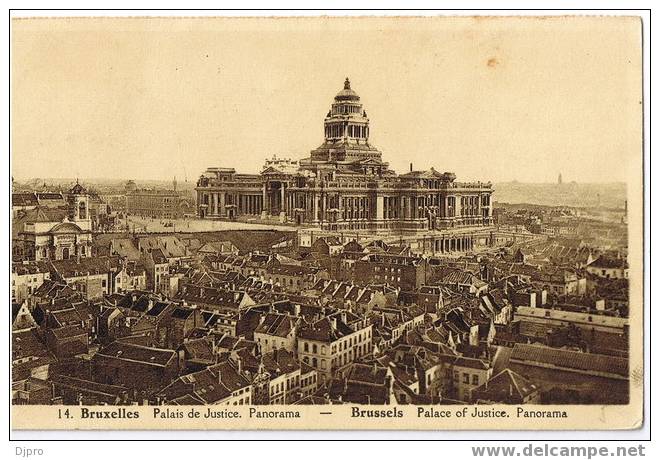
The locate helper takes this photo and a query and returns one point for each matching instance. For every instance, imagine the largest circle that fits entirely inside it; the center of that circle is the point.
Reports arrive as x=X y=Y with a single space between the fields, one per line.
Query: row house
x=334 y=341
x=94 y=277
x=221 y=384
x=292 y=278
x=361 y=383
x=392 y=324
x=285 y=372
x=26 y=278
x=215 y=299
x=406 y=273
x=136 y=366
x=349 y=295
x=277 y=331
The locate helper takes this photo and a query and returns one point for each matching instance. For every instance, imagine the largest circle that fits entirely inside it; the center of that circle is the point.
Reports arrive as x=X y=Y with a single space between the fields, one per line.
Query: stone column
x=380 y=208
x=264 y=201
x=315 y=199
x=282 y=198
x=220 y=203
x=325 y=207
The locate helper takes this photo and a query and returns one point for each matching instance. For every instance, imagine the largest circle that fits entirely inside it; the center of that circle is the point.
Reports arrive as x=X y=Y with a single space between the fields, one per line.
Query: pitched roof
x=137 y=353
x=23 y=199
x=276 y=324
x=72 y=268
x=604 y=261
x=569 y=360
x=208 y=386
x=279 y=362
x=505 y=386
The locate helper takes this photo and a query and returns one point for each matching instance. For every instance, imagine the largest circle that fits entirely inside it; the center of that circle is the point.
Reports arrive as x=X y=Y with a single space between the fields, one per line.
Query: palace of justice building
x=345 y=185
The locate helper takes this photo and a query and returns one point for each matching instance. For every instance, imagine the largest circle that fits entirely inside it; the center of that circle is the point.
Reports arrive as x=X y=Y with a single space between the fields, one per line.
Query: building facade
x=158 y=204
x=58 y=233
x=345 y=185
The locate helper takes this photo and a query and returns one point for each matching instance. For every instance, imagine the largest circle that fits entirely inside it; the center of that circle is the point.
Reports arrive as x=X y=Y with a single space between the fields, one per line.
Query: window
x=466 y=378
x=475 y=379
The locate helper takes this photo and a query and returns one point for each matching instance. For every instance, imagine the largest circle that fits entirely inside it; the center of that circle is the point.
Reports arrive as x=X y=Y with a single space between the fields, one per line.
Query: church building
x=54 y=233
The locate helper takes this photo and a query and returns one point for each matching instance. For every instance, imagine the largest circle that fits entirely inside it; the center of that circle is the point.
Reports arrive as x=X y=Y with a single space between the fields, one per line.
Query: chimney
x=410 y=167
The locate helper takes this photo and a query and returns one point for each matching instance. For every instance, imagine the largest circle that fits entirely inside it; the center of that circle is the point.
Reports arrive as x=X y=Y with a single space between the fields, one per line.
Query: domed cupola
x=347 y=94
x=347 y=121
x=346 y=136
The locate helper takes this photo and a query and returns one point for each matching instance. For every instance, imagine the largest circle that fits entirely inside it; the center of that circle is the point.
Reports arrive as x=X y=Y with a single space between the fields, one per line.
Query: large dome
x=347 y=94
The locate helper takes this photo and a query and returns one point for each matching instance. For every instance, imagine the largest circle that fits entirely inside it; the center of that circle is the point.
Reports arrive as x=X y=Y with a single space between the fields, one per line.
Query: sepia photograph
x=257 y=223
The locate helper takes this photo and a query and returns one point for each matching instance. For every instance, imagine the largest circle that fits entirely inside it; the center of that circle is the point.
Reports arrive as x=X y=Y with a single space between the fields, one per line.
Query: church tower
x=79 y=207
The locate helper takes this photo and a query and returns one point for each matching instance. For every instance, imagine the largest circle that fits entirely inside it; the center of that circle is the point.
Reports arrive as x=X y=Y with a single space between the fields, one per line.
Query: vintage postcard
x=329 y=223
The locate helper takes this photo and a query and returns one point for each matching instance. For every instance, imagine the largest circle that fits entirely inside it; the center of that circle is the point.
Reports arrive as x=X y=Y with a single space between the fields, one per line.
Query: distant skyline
x=181 y=180
x=490 y=99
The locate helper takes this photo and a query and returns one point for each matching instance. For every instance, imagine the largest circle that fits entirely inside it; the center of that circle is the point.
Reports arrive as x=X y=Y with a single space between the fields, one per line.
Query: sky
x=496 y=99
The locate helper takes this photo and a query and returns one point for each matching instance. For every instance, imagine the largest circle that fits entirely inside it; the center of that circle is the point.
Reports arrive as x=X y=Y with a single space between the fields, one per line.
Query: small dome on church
x=77 y=189
x=347 y=94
